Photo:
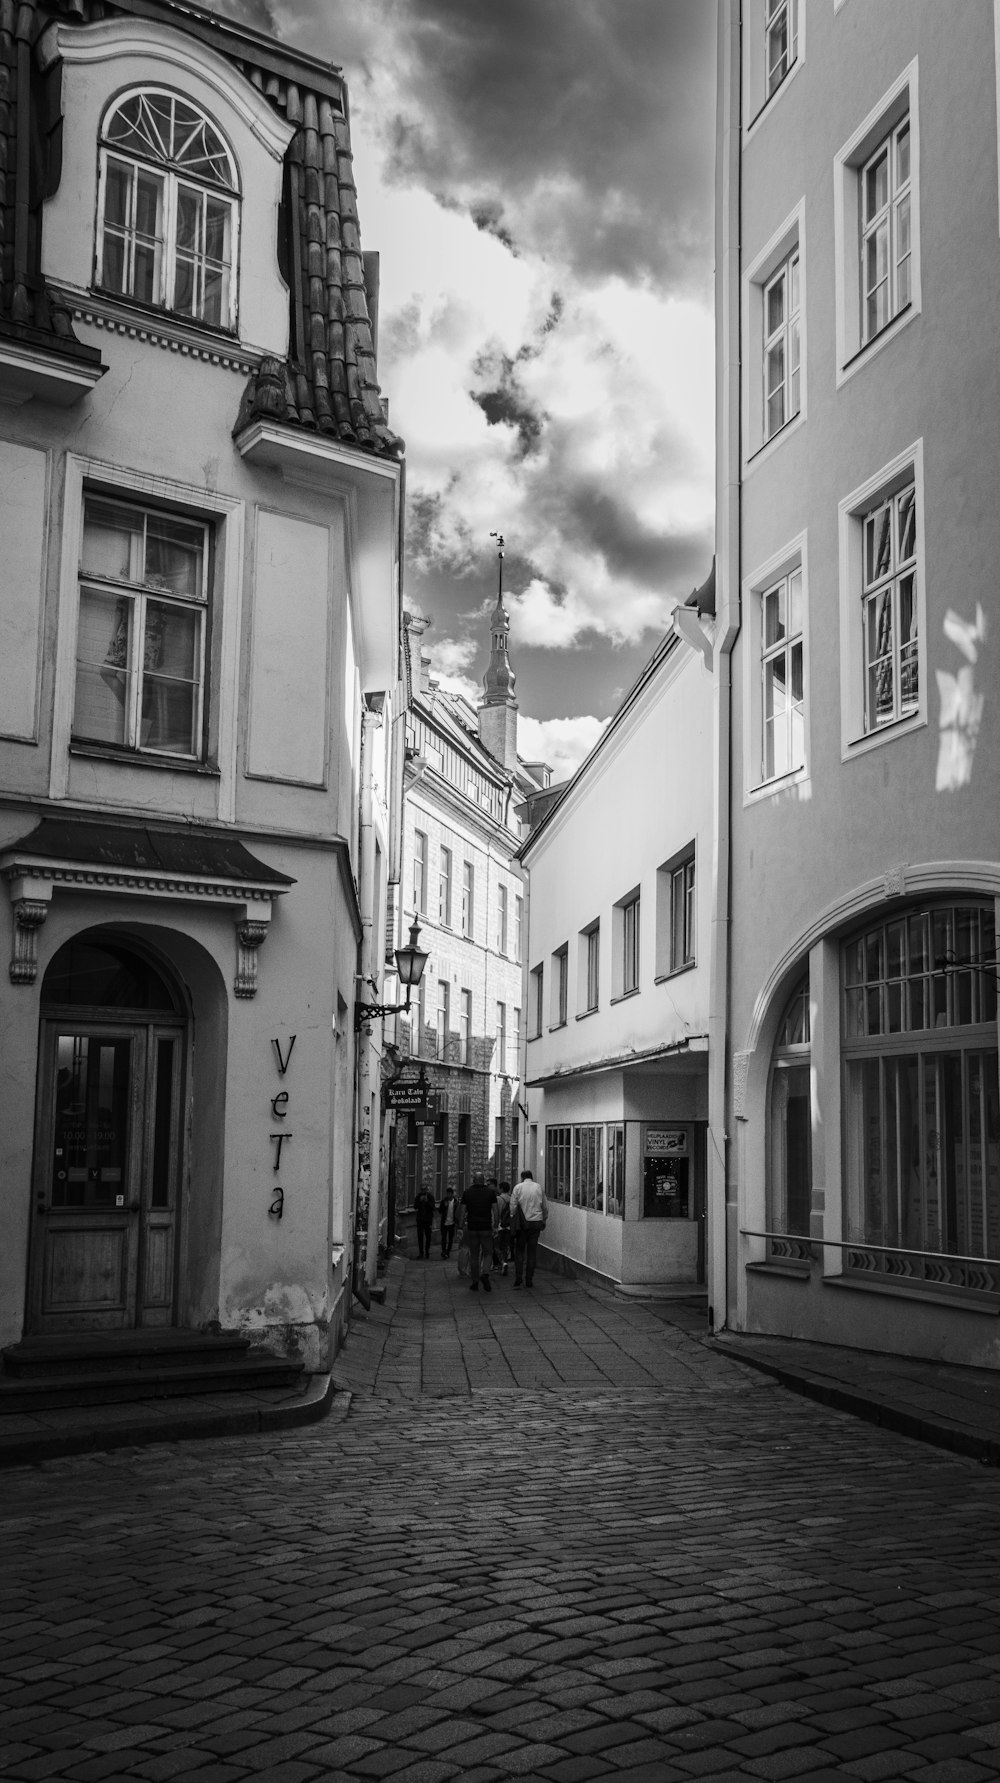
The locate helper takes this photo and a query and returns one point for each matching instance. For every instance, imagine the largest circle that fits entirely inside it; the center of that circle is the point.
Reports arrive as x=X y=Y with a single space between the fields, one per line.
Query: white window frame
x=519 y=914
x=684 y=913
x=225 y=604
x=853 y=349
x=420 y=852
x=626 y=953
x=132 y=595
x=446 y=863
x=173 y=178
x=502 y=903
x=537 y=978
x=791 y=558
x=464 y=1025
x=468 y=898
x=588 y=969
x=855 y=739
x=758 y=101
x=443 y=1016
x=500 y=1060
x=787 y=242
x=559 y=1010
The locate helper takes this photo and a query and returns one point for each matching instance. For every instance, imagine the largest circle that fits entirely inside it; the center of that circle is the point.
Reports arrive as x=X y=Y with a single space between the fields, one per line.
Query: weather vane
x=499 y=539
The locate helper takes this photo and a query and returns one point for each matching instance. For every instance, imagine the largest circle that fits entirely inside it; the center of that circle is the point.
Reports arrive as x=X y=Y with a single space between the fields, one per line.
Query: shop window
x=789 y=1183
x=558 y=1162
x=588 y=1168
x=921 y=1097
x=168 y=209
x=615 y=1177
x=141 y=640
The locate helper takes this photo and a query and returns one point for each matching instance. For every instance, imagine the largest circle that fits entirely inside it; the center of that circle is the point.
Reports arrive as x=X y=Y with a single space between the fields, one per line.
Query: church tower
x=498 y=711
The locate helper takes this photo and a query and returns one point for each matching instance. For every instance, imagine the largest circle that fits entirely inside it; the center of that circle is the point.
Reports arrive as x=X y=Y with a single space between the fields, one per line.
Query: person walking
x=449 y=1220
x=529 y=1212
x=502 y=1236
x=479 y=1216
x=425 y=1207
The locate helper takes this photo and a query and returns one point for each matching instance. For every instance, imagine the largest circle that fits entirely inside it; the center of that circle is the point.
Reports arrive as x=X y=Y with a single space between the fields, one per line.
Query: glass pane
x=169 y=716
x=117 y=189
x=102 y=677
x=162 y=1123
x=175 y=556
x=90 y=1152
x=217 y=219
x=796 y=678
x=185 y=300
x=907 y=524
x=775 y=305
x=894 y=950
x=903 y=155
x=109 y=533
x=189 y=207
x=774 y=616
x=864 y=1152
x=876 y=185
x=105 y=976
x=172 y=641
x=878 y=544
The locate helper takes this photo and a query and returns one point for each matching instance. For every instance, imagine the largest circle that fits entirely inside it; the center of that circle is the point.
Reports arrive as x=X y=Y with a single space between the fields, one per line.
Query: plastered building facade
x=200 y=605
x=856 y=1103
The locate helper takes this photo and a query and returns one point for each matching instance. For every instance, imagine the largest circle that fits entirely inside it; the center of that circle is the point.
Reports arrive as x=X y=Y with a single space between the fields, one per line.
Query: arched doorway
x=108 y=1142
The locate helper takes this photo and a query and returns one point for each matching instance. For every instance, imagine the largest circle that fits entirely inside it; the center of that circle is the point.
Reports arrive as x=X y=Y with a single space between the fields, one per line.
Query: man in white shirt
x=529 y=1211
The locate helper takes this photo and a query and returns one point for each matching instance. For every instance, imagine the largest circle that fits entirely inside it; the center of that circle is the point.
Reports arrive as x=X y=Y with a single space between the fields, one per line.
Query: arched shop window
x=790 y=1128
x=921 y=1097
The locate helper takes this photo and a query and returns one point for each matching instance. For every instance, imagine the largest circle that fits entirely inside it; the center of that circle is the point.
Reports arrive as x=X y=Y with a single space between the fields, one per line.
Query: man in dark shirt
x=479 y=1215
x=425 y=1207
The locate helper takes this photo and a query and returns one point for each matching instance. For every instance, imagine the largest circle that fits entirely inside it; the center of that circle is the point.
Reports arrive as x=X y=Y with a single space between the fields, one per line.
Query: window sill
x=555 y=1026
x=753 y=460
x=585 y=1012
x=900 y=727
x=134 y=758
x=623 y=996
x=762 y=111
x=770 y=789
x=675 y=972
x=227 y=334
x=861 y=355
x=928 y=1296
x=795 y=1271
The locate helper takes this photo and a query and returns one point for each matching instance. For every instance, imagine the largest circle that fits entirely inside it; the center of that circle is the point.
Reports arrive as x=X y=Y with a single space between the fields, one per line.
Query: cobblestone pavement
x=555 y=1536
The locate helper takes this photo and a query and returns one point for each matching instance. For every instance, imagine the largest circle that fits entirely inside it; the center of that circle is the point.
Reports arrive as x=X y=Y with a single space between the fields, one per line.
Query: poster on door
x=666 y=1179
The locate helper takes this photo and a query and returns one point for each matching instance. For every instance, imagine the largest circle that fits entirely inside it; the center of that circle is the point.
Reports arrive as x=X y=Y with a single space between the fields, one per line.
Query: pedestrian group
x=495 y=1226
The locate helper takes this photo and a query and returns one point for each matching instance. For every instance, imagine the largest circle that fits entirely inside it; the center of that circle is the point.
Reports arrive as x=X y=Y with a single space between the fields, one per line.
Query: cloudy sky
x=537 y=178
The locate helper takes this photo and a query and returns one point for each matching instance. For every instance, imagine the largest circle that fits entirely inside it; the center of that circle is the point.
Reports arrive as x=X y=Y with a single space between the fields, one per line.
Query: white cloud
x=562 y=742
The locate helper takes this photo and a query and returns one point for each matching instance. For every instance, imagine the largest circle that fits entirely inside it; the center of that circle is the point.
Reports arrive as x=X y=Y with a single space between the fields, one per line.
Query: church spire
x=498 y=711
x=499 y=678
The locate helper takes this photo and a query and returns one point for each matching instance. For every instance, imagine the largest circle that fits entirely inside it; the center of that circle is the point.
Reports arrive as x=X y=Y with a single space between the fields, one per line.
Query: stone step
x=119 y=1352
x=247 y=1373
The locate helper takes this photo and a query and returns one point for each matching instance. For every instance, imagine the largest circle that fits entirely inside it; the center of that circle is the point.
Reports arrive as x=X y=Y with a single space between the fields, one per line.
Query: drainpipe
x=368 y=1052
x=719 y=1216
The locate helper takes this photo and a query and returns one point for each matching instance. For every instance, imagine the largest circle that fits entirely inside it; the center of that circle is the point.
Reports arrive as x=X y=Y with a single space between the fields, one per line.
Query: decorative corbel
x=252 y=928
x=30 y=899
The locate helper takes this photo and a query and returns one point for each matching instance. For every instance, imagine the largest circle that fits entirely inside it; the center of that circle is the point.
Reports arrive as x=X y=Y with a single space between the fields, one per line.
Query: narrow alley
x=551 y=1535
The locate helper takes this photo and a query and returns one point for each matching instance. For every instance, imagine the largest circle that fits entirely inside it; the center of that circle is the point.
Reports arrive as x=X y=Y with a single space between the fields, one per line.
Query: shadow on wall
x=961 y=705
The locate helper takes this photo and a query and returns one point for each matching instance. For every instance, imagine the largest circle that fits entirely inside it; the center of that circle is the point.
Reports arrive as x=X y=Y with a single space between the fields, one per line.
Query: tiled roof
x=328 y=383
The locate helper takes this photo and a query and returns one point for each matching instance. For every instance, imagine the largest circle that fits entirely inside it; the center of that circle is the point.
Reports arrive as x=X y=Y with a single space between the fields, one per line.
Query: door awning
x=148 y=861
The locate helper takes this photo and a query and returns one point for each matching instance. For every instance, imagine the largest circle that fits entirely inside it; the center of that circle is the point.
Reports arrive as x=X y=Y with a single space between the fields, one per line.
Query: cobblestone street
x=555 y=1535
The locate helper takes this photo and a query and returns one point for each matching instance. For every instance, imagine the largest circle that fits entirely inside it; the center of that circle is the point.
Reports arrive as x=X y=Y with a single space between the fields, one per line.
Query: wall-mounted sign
x=411 y=1097
x=666 y=1142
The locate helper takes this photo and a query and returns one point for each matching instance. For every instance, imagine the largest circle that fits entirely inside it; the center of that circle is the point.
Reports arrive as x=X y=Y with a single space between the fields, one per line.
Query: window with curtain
x=140 y=668
x=168 y=208
x=921 y=1097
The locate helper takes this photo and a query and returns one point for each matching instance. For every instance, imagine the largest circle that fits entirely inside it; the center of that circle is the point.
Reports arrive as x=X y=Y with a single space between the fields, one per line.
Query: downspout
x=719 y=1216
x=363 y=1271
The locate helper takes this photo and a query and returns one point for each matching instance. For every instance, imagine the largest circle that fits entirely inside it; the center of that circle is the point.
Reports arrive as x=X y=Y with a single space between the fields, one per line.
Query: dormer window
x=169 y=209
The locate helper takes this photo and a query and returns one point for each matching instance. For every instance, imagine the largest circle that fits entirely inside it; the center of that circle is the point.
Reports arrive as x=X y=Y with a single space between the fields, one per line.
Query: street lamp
x=410 y=963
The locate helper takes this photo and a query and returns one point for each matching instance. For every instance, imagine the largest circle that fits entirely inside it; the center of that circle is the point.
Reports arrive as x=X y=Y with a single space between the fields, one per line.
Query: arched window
x=168 y=208
x=790 y=1127
x=921 y=1094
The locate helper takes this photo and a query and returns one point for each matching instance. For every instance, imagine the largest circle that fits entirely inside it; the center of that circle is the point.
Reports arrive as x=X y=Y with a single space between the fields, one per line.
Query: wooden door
x=107 y=1165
